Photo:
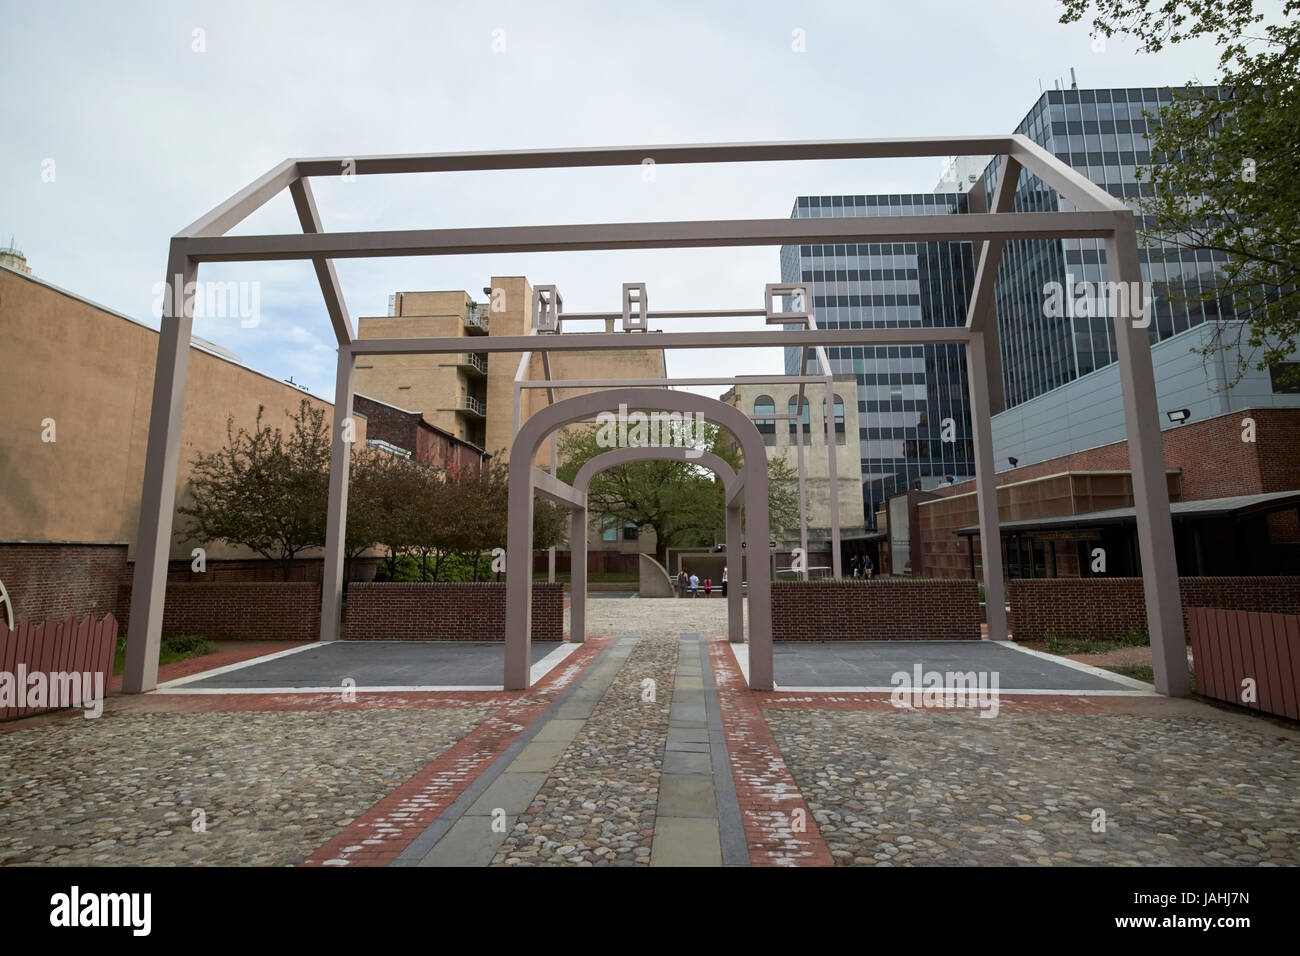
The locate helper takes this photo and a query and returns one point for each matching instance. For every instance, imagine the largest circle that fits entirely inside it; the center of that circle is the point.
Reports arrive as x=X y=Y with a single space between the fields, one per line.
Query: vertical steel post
x=1147 y=461
x=158 y=493
x=986 y=487
x=344 y=431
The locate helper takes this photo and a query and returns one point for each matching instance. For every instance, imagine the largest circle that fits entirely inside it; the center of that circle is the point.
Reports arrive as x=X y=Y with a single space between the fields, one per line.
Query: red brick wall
x=55 y=580
x=1114 y=607
x=239 y=610
x=879 y=610
x=444 y=611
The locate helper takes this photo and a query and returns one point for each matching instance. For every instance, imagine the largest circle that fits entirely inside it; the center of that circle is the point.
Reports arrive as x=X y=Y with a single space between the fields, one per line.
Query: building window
x=630 y=531
x=1285 y=378
x=839 y=419
x=794 y=424
x=608 y=529
x=763 y=405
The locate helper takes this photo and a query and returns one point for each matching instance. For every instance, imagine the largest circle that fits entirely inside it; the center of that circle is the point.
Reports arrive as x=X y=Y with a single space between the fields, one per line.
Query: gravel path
x=929 y=788
x=122 y=790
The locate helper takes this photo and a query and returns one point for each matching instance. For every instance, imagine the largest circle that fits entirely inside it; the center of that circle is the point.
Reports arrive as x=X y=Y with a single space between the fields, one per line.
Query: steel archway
x=622 y=456
x=523 y=486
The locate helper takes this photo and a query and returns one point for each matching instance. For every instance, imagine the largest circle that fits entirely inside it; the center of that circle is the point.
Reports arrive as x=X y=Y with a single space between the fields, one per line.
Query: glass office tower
x=1102 y=134
x=906 y=393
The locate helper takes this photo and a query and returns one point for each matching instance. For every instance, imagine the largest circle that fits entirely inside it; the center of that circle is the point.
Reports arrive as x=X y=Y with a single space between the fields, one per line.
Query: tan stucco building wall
x=91 y=370
x=781 y=444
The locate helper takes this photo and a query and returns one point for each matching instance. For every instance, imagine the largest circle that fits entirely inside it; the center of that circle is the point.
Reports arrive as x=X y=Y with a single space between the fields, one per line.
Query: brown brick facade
x=438 y=611
x=1115 y=607
x=411 y=431
x=238 y=610
x=879 y=610
x=1210 y=457
x=57 y=579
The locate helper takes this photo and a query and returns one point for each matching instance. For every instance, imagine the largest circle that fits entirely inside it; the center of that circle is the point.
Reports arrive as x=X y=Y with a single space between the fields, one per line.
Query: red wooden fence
x=1231 y=646
x=54 y=647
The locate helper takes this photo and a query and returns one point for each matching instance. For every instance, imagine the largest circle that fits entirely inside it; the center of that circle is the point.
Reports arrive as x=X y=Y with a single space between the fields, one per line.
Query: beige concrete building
x=779 y=435
x=75 y=400
x=471 y=394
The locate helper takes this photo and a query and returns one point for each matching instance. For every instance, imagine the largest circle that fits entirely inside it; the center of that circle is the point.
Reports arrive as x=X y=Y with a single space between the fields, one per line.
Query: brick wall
x=439 y=611
x=879 y=610
x=1212 y=460
x=58 y=579
x=1114 y=607
x=238 y=610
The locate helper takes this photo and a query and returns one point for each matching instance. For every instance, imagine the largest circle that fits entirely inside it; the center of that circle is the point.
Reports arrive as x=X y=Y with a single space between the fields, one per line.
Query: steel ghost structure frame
x=1096 y=214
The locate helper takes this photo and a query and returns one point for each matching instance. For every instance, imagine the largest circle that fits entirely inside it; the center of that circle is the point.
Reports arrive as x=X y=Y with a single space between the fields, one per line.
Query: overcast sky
x=146 y=133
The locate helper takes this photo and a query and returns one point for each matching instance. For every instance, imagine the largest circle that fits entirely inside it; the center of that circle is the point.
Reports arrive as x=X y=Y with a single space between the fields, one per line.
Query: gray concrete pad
x=540 y=755
x=470 y=842
x=873 y=664
x=511 y=792
x=683 y=841
x=687 y=795
x=678 y=761
x=378 y=664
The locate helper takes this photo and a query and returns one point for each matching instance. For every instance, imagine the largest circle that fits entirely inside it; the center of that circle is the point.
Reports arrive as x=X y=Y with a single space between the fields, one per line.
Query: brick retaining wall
x=879 y=610
x=59 y=579
x=1115 y=607
x=443 y=611
x=239 y=610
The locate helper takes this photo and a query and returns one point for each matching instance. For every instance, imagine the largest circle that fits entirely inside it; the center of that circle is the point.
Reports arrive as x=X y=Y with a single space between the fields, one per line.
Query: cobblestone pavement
x=121 y=789
x=598 y=805
x=891 y=788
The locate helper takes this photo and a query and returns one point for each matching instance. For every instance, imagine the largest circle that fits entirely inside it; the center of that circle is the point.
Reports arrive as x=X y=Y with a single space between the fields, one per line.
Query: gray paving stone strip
x=463 y=835
x=697 y=821
x=735 y=848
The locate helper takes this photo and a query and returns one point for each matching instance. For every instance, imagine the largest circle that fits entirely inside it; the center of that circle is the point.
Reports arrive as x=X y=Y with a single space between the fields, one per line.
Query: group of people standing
x=860 y=566
x=692 y=585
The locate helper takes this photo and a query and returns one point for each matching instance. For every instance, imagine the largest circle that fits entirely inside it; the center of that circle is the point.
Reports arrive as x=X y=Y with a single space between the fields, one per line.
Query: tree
x=1224 y=172
x=782 y=496
x=265 y=490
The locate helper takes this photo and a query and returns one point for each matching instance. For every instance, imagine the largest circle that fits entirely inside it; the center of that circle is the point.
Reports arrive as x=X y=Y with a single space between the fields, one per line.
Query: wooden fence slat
x=1293 y=648
x=1220 y=659
x=28 y=637
x=8 y=648
x=1261 y=644
x=107 y=639
x=1282 y=650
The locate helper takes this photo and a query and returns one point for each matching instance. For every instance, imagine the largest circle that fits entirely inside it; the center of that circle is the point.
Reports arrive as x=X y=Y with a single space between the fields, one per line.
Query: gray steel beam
x=158 y=492
x=986 y=488
x=669 y=314
x=1065 y=179
x=990 y=251
x=670 y=382
x=787 y=151
x=309 y=217
x=651 y=235
x=553 y=489
x=343 y=436
x=616 y=341
x=244 y=203
x=578 y=574
x=1147 y=462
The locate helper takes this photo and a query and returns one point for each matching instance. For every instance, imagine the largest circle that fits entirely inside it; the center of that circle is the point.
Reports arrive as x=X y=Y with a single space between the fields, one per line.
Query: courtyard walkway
x=644 y=747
